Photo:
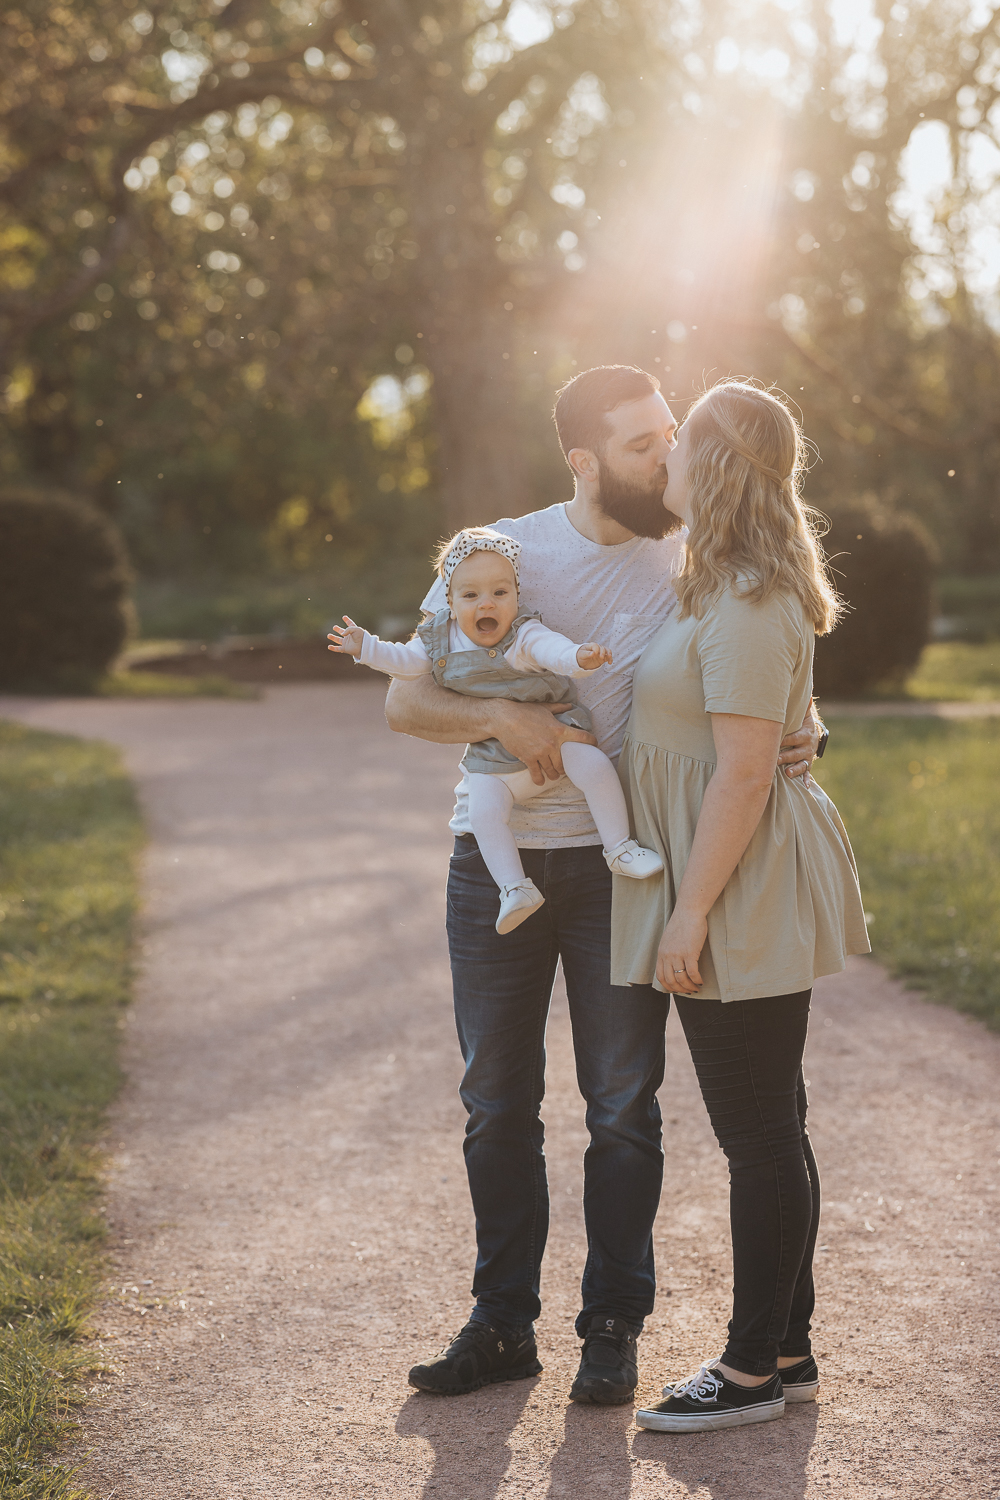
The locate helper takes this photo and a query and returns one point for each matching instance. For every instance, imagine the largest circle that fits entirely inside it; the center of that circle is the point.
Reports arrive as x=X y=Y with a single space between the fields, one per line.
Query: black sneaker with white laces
x=478 y=1356
x=708 y=1401
x=800 y=1382
x=609 y=1369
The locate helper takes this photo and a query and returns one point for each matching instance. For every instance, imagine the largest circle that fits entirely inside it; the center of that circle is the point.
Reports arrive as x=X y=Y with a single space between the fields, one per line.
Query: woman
x=760 y=894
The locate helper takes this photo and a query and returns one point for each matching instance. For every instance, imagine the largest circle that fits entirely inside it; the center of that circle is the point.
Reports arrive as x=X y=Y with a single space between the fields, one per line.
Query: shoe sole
x=741 y=1416
x=515 y=918
x=592 y=1398
x=522 y=1372
x=804 y=1392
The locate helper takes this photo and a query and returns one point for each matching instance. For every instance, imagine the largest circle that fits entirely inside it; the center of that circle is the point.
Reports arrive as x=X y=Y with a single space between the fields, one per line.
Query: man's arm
x=529 y=731
x=798 y=750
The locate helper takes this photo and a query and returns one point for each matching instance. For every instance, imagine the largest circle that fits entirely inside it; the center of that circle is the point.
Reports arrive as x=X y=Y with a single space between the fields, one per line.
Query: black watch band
x=823 y=741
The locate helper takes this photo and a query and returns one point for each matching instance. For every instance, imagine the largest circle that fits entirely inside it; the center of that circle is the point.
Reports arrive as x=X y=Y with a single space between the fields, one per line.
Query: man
x=600 y=568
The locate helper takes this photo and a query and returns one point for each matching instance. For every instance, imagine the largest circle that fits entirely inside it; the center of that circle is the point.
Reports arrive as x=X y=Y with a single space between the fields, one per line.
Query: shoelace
x=617 y=1341
x=474 y=1334
x=703 y=1386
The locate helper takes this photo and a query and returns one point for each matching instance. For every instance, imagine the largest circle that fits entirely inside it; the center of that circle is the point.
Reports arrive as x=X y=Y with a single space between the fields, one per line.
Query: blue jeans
x=503 y=986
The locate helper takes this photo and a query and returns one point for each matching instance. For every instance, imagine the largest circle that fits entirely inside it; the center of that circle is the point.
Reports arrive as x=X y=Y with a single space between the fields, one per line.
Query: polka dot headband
x=468 y=542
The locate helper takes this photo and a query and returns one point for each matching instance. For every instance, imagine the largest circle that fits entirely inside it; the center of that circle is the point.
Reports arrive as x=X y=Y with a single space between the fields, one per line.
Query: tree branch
x=23 y=317
x=873 y=405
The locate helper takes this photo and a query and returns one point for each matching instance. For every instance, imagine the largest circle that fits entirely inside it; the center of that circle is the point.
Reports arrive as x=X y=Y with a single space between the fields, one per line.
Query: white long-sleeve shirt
x=535 y=648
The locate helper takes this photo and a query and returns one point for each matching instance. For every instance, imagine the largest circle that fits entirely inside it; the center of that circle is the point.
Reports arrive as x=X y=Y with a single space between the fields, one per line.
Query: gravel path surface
x=291 y=1227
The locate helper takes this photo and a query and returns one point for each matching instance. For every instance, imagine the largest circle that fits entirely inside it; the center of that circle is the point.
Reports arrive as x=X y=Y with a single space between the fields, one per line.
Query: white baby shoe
x=516 y=903
x=631 y=859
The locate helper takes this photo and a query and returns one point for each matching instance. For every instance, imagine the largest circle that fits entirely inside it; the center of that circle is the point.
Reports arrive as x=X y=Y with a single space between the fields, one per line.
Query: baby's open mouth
x=486 y=625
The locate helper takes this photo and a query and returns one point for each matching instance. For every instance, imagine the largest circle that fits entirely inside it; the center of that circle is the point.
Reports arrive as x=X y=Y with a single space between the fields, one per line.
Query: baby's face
x=483 y=597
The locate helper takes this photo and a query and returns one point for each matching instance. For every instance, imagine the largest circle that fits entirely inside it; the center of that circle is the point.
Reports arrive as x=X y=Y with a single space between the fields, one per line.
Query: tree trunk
x=481 y=459
x=468 y=341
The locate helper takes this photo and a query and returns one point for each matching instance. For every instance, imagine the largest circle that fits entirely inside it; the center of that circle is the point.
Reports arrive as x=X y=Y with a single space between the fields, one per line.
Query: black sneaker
x=708 y=1400
x=608 y=1373
x=800 y=1382
x=479 y=1356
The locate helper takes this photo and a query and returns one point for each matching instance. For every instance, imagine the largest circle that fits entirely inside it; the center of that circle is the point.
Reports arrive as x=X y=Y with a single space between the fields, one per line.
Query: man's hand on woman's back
x=798 y=750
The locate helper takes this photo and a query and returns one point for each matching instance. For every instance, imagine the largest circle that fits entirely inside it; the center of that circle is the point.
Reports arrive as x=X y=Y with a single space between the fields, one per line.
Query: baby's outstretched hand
x=348 y=642
x=590 y=656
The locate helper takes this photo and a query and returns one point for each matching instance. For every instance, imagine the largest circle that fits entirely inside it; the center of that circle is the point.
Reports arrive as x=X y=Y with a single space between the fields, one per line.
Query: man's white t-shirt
x=617 y=596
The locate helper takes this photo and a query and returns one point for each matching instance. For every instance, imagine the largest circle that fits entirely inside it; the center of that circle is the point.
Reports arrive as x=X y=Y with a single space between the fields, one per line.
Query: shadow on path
x=469 y=1435
x=607 y=1469
x=767 y=1461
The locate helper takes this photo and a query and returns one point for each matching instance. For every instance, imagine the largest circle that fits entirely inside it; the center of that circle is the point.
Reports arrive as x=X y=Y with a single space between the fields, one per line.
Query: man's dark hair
x=583 y=404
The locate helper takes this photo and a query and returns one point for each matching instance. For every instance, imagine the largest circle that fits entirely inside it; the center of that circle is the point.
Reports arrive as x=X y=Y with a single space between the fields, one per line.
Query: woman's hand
x=679 y=951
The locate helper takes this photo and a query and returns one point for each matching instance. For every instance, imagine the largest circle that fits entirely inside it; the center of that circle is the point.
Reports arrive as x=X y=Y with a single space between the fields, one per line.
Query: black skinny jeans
x=748 y=1057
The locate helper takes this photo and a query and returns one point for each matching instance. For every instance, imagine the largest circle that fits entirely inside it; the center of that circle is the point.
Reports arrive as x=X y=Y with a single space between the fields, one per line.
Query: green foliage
x=920 y=800
x=65 y=611
x=247 y=219
x=70 y=834
x=210 y=607
x=957 y=671
x=883 y=563
x=971 y=606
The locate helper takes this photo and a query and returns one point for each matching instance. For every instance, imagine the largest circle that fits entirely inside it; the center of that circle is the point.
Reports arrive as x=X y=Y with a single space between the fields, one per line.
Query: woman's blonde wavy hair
x=745 y=466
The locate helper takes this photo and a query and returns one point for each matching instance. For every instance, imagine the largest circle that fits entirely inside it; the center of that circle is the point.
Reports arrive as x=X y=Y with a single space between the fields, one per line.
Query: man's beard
x=638 y=508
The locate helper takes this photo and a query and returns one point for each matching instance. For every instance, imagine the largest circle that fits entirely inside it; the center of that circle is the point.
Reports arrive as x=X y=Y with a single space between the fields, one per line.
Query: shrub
x=883 y=564
x=65 y=611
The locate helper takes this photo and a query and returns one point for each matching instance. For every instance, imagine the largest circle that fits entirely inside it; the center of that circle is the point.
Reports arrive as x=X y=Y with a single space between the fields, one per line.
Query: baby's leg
x=590 y=770
x=490 y=802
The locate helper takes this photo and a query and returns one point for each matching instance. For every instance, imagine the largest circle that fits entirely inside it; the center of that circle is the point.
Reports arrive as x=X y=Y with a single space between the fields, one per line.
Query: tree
x=435 y=108
x=307 y=198
x=881 y=314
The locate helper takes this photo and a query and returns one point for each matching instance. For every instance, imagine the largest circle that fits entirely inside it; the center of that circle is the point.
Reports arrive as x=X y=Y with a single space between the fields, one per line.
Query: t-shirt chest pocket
x=631 y=634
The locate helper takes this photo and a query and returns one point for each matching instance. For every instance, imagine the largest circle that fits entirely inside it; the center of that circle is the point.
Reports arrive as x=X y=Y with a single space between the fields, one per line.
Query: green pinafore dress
x=485 y=673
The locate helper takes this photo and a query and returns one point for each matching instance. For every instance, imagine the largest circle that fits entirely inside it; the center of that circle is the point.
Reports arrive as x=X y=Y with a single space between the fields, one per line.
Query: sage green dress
x=791 y=910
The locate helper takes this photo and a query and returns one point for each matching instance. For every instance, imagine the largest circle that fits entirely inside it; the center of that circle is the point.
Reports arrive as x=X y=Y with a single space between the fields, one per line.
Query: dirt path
x=291 y=1225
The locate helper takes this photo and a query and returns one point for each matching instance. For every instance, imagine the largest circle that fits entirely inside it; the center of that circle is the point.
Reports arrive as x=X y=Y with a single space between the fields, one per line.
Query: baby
x=481 y=645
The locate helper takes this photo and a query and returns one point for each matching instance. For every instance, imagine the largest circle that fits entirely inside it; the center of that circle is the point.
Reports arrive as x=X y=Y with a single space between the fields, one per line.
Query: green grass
x=972 y=605
x=208 y=608
x=164 y=685
x=954 y=670
x=139 y=684
x=921 y=801
x=69 y=836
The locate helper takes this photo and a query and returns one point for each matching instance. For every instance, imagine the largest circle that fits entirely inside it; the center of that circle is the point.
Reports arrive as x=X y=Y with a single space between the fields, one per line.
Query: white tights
x=492 y=797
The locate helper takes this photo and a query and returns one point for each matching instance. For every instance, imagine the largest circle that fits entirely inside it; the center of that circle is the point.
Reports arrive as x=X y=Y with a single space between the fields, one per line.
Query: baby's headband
x=468 y=542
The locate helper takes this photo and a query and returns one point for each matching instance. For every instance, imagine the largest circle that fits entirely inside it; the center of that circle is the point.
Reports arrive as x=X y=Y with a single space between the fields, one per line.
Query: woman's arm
x=733 y=805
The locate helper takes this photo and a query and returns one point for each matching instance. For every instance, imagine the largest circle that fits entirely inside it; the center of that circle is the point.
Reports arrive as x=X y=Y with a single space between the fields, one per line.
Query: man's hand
x=532 y=733
x=590 y=656
x=798 y=750
x=528 y=731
